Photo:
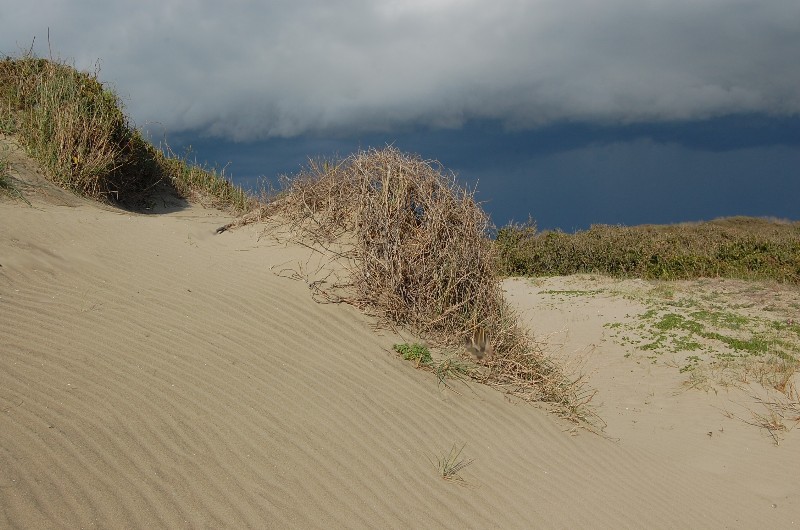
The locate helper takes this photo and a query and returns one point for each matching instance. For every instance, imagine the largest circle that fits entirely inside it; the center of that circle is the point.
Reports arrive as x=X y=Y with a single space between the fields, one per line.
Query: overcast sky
x=617 y=111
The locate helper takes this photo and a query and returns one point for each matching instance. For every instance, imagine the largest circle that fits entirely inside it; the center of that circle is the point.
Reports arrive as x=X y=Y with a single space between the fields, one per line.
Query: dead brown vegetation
x=417 y=255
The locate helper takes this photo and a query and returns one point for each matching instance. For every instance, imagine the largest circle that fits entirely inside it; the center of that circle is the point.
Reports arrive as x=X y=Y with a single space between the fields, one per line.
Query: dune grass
x=450 y=464
x=75 y=127
x=723 y=340
x=736 y=247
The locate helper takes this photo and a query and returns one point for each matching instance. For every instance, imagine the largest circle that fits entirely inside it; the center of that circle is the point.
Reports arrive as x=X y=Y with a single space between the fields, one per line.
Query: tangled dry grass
x=417 y=255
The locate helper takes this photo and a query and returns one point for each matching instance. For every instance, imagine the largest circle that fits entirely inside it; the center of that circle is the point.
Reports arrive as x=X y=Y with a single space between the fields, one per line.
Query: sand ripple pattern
x=153 y=375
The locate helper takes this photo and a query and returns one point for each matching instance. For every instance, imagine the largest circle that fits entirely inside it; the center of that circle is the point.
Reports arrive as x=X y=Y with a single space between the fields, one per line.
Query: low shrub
x=738 y=247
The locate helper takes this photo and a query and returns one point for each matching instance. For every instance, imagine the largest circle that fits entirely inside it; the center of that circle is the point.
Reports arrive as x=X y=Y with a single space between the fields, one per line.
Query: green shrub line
x=76 y=129
x=735 y=247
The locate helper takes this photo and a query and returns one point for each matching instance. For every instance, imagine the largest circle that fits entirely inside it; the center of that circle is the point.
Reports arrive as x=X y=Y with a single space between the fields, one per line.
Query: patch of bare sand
x=648 y=406
x=155 y=375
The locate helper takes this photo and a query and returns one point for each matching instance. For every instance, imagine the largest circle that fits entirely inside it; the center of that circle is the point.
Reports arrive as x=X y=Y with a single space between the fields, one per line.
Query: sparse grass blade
x=453 y=369
x=451 y=464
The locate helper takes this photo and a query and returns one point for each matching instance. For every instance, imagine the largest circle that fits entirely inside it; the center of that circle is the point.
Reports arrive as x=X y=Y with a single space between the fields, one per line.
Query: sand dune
x=153 y=374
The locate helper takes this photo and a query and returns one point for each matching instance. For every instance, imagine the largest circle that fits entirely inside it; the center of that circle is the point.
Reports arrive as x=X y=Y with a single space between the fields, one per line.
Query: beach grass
x=74 y=126
x=451 y=463
x=722 y=334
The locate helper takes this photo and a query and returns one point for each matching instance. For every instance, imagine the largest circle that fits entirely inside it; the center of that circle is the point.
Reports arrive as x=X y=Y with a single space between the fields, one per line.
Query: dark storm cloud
x=247 y=70
x=573 y=175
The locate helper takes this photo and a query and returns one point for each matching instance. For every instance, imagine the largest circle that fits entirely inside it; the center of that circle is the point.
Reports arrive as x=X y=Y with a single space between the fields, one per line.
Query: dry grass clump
x=75 y=128
x=417 y=255
x=738 y=247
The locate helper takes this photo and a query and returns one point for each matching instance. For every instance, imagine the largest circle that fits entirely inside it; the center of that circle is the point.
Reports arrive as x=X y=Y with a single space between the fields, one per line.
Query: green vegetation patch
x=724 y=319
x=5 y=176
x=736 y=247
x=75 y=127
x=448 y=369
x=715 y=341
x=672 y=321
x=415 y=352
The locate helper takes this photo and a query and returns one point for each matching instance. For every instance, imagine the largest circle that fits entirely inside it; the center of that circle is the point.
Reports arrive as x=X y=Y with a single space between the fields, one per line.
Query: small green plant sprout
x=452 y=463
x=415 y=352
x=691 y=363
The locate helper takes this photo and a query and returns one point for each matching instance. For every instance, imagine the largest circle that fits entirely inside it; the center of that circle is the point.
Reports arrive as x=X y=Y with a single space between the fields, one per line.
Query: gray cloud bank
x=247 y=70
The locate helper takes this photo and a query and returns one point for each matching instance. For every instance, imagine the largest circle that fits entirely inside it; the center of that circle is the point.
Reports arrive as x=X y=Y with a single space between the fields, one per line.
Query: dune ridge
x=156 y=375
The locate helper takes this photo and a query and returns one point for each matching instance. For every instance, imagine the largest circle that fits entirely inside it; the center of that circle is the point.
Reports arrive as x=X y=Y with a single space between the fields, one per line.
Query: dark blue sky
x=572 y=175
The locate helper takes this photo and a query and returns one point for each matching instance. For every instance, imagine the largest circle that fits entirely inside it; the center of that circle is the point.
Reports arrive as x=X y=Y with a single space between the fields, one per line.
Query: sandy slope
x=155 y=375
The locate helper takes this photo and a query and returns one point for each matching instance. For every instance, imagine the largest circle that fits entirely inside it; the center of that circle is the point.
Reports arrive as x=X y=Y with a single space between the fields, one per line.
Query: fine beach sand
x=153 y=374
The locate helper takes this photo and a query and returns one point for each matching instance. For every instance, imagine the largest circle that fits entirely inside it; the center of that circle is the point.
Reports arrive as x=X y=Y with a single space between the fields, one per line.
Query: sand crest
x=153 y=374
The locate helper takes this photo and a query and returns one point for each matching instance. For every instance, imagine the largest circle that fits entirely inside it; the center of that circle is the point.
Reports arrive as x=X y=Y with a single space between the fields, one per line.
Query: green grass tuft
x=75 y=127
x=452 y=369
x=451 y=464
